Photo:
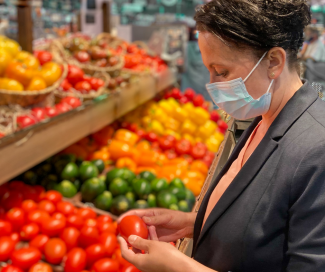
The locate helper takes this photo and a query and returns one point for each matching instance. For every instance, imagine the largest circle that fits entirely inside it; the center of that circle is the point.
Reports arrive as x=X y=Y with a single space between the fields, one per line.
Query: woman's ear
x=277 y=59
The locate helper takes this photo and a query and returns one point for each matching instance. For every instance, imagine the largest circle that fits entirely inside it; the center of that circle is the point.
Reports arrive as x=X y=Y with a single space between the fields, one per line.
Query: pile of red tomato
x=37 y=225
x=77 y=80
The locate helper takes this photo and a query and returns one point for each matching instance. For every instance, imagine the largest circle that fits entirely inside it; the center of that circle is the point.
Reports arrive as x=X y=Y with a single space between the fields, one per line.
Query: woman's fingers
x=139 y=213
x=139 y=243
x=153 y=233
x=157 y=220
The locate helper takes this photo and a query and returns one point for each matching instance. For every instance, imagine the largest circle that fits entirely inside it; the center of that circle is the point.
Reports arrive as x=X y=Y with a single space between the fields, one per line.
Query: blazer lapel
x=297 y=105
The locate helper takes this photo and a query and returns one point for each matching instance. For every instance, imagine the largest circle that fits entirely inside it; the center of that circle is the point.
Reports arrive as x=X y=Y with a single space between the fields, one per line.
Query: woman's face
x=226 y=63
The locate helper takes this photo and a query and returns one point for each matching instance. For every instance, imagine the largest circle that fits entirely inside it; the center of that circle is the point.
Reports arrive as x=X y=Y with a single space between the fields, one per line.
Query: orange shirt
x=229 y=176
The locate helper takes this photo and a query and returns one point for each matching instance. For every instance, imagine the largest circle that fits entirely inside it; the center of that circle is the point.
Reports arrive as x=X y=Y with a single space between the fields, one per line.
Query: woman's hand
x=167 y=225
x=159 y=257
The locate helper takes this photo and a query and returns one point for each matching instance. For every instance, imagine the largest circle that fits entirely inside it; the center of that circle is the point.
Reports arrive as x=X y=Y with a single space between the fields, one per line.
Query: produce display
x=39 y=231
x=22 y=71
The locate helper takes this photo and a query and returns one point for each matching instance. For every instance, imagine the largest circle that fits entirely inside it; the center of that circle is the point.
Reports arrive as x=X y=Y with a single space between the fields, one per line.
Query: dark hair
x=257 y=24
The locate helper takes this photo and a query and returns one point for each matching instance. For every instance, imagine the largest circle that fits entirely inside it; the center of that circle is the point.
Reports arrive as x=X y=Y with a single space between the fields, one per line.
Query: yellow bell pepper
x=173 y=102
x=188 y=137
x=213 y=144
x=172 y=124
x=159 y=115
x=10 y=46
x=156 y=127
x=173 y=133
x=146 y=121
x=180 y=114
x=188 y=127
x=166 y=107
x=126 y=136
x=219 y=136
x=199 y=116
x=207 y=129
x=189 y=107
x=5 y=58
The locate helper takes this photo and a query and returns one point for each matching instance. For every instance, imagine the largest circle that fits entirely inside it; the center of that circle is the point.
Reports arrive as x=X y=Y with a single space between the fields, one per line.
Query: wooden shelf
x=31 y=146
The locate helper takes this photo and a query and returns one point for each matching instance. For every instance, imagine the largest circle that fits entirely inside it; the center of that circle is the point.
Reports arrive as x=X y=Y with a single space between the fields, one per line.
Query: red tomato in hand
x=109 y=241
x=29 y=231
x=53 y=196
x=24 y=258
x=47 y=206
x=94 y=253
x=52 y=227
x=29 y=205
x=41 y=267
x=16 y=216
x=54 y=251
x=75 y=74
x=105 y=265
x=65 y=208
x=11 y=268
x=76 y=260
x=39 y=242
x=86 y=213
x=83 y=87
x=70 y=236
x=37 y=217
x=75 y=221
x=7 y=246
x=5 y=228
x=88 y=236
x=133 y=225
x=12 y=199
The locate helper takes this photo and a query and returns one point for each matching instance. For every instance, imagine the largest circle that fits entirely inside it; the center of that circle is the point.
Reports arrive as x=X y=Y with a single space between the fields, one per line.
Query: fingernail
x=146 y=219
x=132 y=238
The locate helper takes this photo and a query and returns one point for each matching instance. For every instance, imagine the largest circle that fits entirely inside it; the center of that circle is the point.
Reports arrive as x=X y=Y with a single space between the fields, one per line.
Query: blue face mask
x=233 y=98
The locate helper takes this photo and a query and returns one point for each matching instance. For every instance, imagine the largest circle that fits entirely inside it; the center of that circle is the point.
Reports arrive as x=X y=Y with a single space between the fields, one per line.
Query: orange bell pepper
x=143 y=146
x=149 y=158
x=126 y=136
x=126 y=163
x=199 y=166
x=193 y=186
x=104 y=135
x=118 y=149
x=100 y=155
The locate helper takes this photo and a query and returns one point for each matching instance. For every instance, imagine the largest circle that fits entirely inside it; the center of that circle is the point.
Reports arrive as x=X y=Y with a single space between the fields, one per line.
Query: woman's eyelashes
x=221 y=73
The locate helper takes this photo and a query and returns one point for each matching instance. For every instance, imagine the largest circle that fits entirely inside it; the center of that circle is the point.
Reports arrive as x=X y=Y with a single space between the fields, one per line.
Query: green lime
x=70 y=171
x=177 y=182
x=87 y=170
x=173 y=207
x=120 y=205
x=92 y=188
x=147 y=175
x=104 y=201
x=140 y=204
x=118 y=187
x=165 y=199
x=113 y=174
x=152 y=201
x=102 y=178
x=30 y=177
x=183 y=206
x=66 y=188
x=131 y=197
x=190 y=198
x=178 y=192
x=158 y=185
x=99 y=164
x=127 y=175
x=142 y=188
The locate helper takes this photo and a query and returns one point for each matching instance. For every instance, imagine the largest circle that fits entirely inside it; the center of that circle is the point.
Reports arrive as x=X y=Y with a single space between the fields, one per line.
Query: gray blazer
x=272 y=216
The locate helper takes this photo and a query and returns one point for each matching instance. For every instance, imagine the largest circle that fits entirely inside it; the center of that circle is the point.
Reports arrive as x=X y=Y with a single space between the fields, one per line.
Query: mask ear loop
x=270 y=86
x=256 y=66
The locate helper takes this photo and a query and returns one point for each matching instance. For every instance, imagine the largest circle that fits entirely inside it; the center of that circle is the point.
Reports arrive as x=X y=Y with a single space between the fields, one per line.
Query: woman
x=265 y=212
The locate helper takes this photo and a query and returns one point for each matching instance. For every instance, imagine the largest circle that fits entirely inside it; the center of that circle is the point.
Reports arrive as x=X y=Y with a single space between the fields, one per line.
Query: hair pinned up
x=257 y=24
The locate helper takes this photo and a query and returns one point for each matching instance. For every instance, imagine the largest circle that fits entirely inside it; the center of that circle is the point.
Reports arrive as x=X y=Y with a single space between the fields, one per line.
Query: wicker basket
x=88 y=68
x=27 y=98
x=104 y=76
